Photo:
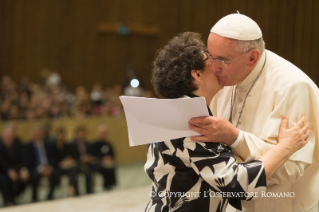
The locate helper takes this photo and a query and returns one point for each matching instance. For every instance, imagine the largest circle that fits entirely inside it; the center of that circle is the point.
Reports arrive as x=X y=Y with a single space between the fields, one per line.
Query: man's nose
x=216 y=69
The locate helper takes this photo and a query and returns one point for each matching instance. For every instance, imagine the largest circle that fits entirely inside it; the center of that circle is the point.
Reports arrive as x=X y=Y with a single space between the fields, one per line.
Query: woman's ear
x=196 y=75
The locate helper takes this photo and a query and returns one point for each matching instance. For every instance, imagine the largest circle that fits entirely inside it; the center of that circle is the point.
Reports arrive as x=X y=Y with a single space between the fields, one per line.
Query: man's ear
x=254 y=57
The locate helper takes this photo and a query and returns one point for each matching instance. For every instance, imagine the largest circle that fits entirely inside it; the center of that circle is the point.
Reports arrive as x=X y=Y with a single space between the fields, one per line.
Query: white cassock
x=282 y=89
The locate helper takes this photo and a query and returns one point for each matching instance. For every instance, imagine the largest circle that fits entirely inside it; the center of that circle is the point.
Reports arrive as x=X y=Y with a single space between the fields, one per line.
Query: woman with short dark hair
x=193 y=176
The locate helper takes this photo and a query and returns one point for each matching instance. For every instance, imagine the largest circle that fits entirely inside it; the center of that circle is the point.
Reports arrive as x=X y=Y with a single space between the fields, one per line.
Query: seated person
x=80 y=150
x=13 y=175
x=66 y=164
x=39 y=158
x=103 y=151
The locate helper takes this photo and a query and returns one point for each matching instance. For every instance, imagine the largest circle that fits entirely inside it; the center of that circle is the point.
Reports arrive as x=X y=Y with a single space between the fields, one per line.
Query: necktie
x=40 y=155
x=82 y=148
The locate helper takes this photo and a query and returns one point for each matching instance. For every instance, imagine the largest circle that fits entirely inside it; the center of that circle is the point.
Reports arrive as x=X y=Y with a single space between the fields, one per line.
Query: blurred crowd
x=52 y=99
x=51 y=156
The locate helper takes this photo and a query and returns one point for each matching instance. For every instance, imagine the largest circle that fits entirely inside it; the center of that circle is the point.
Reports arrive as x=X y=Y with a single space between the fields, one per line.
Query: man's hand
x=213 y=129
x=24 y=174
x=107 y=161
x=68 y=162
x=86 y=159
x=13 y=175
x=47 y=171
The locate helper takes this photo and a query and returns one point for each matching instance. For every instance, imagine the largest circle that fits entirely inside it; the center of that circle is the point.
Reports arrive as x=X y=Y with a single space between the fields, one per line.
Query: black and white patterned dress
x=194 y=176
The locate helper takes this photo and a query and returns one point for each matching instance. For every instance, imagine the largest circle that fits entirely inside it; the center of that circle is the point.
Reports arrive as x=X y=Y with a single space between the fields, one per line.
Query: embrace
x=261 y=137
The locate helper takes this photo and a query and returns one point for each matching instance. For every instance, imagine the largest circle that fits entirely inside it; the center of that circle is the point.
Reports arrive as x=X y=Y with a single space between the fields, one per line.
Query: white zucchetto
x=237 y=26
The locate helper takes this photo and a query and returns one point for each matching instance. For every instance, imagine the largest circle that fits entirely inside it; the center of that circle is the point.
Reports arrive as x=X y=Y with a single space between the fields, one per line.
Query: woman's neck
x=208 y=98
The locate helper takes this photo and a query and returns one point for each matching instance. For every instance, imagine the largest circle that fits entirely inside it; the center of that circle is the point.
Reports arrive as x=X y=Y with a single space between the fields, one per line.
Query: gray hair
x=244 y=45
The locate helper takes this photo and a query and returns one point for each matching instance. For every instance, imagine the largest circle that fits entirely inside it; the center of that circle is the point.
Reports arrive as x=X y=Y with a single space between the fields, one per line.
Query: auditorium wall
x=68 y=35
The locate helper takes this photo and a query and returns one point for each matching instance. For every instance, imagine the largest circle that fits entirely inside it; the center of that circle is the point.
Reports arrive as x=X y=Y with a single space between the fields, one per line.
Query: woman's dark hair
x=172 y=67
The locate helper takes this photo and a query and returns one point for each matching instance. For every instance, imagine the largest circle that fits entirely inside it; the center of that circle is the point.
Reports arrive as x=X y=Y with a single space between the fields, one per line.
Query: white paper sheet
x=152 y=120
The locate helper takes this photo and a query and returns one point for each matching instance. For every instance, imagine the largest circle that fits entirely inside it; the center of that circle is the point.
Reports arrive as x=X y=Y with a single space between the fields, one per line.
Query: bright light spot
x=135 y=83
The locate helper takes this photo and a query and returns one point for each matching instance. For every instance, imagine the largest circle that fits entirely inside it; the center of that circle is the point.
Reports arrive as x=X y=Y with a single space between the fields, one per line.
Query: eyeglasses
x=207 y=55
x=220 y=62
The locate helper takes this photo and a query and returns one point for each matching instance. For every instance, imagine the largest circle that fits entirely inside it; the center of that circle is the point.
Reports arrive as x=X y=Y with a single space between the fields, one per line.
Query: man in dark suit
x=66 y=164
x=80 y=150
x=13 y=176
x=103 y=151
x=39 y=156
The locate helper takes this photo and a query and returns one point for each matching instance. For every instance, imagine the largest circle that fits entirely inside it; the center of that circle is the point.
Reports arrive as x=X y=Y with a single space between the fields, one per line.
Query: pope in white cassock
x=260 y=88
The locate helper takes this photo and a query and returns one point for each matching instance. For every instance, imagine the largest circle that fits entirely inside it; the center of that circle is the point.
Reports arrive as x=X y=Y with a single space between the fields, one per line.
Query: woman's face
x=209 y=85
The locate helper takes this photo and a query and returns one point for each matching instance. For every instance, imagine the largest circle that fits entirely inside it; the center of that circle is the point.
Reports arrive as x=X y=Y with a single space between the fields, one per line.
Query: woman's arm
x=218 y=167
x=290 y=140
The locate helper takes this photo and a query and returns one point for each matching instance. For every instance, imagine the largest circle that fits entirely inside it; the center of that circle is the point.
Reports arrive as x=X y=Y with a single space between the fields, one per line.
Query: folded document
x=152 y=120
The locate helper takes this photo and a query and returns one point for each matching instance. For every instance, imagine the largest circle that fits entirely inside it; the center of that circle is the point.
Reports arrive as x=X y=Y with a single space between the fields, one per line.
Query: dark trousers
x=35 y=179
x=87 y=170
x=10 y=189
x=71 y=173
x=108 y=175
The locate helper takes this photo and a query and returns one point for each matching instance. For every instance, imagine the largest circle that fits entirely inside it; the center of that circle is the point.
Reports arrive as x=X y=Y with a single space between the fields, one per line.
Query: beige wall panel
x=118 y=136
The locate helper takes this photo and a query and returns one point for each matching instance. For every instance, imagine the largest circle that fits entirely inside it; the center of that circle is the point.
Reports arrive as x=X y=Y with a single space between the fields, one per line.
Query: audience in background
x=40 y=159
x=13 y=177
x=48 y=155
x=103 y=151
x=81 y=151
x=51 y=99
x=51 y=156
x=66 y=164
x=96 y=96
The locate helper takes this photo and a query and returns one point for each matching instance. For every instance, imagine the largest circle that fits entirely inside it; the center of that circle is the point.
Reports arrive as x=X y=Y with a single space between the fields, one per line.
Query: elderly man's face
x=80 y=134
x=38 y=134
x=8 y=136
x=102 y=132
x=225 y=49
x=210 y=85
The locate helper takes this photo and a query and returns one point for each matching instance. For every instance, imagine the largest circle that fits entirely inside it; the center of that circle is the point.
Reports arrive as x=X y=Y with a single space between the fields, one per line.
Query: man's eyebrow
x=220 y=58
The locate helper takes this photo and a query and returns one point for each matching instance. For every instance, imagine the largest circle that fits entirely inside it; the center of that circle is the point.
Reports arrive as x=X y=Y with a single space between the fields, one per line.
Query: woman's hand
x=296 y=137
